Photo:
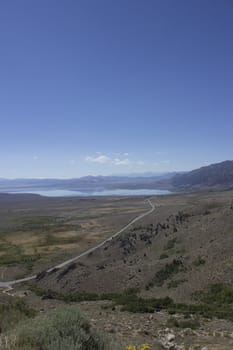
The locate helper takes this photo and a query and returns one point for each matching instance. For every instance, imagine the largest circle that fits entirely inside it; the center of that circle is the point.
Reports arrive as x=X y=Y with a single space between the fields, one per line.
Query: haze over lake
x=114 y=192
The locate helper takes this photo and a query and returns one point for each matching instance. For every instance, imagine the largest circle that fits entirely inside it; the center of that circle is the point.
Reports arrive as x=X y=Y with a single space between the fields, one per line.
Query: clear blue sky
x=107 y=87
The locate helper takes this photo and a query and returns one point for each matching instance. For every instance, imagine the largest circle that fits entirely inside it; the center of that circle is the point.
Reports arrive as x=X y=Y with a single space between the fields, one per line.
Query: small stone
x=170 y=337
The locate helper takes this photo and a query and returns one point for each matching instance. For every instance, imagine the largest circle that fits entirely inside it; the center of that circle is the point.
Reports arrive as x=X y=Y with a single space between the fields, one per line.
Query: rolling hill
x=217 y=176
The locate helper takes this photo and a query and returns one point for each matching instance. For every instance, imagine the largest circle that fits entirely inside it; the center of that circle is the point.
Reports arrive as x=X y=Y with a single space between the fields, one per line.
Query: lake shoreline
x=90 y=193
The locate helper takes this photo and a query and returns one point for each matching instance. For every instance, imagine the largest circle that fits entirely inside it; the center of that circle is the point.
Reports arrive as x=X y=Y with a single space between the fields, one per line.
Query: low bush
x=175 y=284
x=218 y=294
x=199 y=261
x=172 y=322
x=63 y=329
x=163 y=256
x=170 y=244
x=166 y=272
x=191 y=323
x=216 y=302
x=12 y=313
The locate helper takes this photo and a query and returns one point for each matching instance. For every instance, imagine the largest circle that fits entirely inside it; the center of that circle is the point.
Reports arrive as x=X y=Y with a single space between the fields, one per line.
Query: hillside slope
x=218 y=175
x=183 y=247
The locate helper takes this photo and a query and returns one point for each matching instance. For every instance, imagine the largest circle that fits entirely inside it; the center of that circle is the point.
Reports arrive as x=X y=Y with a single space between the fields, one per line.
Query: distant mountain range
x=215 y=176
x=86 y=183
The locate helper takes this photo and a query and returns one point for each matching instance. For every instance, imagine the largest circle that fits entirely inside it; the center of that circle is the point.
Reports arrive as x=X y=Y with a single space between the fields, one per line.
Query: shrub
x=216 y=302
x=170 y=244
x=139 y=305
x=166 y=272
x=175 y=284
x=192 y=323
x=13 y=313
x=63 y=329
x=141 y=347
x=172 y=322
x=163 y=256
x=199 y=261
x=218 y=294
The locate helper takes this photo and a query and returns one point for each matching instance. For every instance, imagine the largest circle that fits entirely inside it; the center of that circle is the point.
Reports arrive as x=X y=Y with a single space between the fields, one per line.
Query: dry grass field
x=36 y=232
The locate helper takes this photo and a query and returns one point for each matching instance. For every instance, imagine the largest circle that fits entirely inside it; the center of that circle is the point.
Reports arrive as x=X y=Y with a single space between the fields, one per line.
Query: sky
x=114 y=87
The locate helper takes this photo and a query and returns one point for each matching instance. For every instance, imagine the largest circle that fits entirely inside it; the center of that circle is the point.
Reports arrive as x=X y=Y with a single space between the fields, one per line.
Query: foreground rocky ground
x=153 y=329
x=157 y=329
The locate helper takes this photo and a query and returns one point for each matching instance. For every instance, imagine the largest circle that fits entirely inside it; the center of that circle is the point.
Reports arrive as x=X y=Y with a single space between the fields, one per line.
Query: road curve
x=9 y=284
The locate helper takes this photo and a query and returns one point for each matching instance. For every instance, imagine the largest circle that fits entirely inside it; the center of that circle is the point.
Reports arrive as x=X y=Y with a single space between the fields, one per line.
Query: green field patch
x=41 y=219
x=50 y=240
x=41 y=222
x=14 y=255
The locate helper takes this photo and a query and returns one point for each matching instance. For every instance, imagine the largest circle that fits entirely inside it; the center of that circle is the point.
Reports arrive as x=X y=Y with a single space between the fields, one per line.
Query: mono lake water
x=94 y=193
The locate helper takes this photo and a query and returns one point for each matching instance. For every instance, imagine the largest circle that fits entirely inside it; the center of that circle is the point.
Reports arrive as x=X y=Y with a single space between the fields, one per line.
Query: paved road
x=9 y=284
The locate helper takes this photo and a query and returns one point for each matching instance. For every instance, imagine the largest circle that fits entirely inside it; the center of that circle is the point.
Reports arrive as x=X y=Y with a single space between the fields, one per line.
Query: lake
x=94 y=193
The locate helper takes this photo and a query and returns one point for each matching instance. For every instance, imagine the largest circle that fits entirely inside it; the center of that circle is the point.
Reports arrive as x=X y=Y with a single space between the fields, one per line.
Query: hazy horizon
x=130 y=175
x=144 y=174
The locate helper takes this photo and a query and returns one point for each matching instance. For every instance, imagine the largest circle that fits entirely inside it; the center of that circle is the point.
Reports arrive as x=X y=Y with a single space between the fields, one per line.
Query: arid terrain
x=37 y=232
x=167 y=280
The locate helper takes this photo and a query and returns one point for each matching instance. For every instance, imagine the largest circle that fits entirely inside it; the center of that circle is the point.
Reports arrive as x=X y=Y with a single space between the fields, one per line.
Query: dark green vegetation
x=165 y=273
x=63 y=329
x=215 y=302
x=13 y=254
x=199 y=261
x=42 y=228
x=176 y=283
x=218 y=294
x=37 y=221
x=163 y=256
x=189 y=323
x=170 y=244
x=129 y=301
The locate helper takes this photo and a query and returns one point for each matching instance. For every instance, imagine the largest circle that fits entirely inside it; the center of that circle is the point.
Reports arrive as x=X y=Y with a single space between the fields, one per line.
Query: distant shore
x=90 y=193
